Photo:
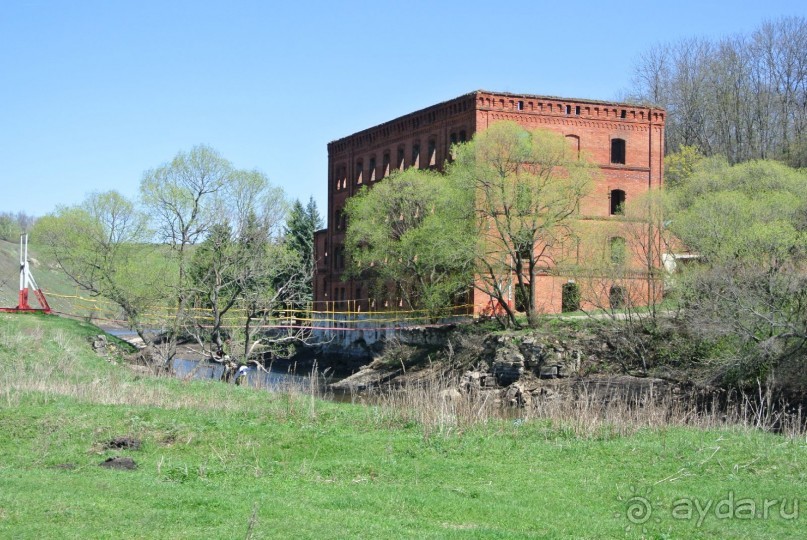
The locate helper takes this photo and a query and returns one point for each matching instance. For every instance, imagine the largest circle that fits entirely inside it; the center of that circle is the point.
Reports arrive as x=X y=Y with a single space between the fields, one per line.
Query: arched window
x=416 y=155
x=359 y=172
x=400 y=162
x=340 y=173
x=372 y=169
x=618 y=151
x=432 y=153
x=617 y=202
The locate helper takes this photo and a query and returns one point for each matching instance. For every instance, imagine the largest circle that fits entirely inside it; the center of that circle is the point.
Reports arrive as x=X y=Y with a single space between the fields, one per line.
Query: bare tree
x=744 y=96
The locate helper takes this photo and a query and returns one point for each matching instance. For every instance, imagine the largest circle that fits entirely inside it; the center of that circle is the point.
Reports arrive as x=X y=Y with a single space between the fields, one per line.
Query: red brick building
x=625 y=141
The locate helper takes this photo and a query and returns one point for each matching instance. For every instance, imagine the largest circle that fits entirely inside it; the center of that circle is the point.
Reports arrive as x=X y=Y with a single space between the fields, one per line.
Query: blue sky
x=94 y=93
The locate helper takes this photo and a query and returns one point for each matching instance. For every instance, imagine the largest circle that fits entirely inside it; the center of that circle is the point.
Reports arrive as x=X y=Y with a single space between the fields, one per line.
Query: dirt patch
x=119 y=463
x=119 y=443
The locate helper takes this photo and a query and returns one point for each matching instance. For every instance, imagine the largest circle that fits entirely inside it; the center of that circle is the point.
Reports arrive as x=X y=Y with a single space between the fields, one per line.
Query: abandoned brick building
x=625 y=141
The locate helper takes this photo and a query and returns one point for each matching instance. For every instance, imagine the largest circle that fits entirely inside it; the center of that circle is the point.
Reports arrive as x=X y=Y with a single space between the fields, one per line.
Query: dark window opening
x=463 y=137
x=337 y=219
x=520 y=105
x=385 y=165
x=522 y=298
x=359 y=172
x=618 y=151
x=568 y=109
x=617 y=297
x=623 y=114
x=617 y=202
x=577 y=110
x=372 y=169
x=416 y=155
x=432 y=153
x=618 y=250
x=400 y=161
x=453 y=138
x=570 y=298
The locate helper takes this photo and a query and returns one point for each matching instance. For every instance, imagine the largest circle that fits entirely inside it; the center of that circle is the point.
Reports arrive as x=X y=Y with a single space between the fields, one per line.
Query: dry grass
x=440 y=408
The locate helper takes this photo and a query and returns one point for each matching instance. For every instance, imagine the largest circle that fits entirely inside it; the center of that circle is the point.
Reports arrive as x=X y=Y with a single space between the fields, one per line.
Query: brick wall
x=423 y=139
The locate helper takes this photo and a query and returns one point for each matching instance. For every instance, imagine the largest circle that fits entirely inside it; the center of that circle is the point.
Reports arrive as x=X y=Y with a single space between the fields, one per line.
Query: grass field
x=220 y=461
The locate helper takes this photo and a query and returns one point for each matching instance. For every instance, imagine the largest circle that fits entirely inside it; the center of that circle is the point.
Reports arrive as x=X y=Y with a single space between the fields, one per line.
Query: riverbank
x=220 y=461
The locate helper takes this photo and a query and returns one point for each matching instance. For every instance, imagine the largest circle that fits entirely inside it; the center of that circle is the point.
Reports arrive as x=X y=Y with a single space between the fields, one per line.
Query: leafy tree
x=301 y=224
x=525 y=188
x=245 y=274
x=185 y=198
x=8 y=229
x=680 y=165
x=102 y=245
x=747 y=225
x=214 y=270
x=214 y=283
x=412 y=237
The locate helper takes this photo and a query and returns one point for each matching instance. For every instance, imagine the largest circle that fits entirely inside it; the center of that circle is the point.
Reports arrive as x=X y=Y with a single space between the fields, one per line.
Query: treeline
x=14 y=224
x=206 y=251
x=743 y=96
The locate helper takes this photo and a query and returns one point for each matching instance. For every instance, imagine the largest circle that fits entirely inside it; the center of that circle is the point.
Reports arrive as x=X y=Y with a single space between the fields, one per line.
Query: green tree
x=301 y=224
x=184 y=199
x=8 y=228
x=245 y=274
x=525 y=188
x=102 y=245
x=746 y=224
x=411 y=235
x=681 y=165
x=214 y=284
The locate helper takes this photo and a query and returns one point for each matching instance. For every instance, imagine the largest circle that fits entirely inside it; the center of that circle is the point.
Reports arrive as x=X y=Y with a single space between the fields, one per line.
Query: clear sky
x=93 y=93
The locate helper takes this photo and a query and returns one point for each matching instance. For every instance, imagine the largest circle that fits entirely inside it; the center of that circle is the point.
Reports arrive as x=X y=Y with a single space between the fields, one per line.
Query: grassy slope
x=51 y=279
x=214 y=454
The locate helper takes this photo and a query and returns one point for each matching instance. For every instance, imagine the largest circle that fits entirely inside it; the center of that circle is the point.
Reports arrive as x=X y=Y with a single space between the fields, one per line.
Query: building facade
x=626 y=143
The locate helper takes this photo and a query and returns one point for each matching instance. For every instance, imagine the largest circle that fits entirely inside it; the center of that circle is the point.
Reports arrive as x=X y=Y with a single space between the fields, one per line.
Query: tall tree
x=102 y=245
x=301 y=224
x=412 y=236
x=742 y=97
x=184 y=198
x=525 y=188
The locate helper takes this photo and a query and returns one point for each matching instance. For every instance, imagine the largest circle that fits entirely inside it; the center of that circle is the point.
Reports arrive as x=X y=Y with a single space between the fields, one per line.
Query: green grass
x=222 y=461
